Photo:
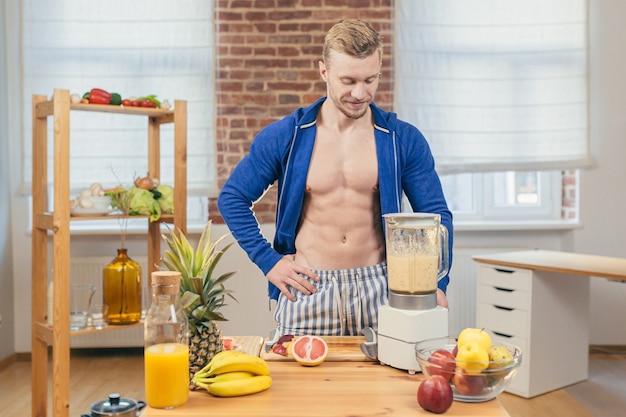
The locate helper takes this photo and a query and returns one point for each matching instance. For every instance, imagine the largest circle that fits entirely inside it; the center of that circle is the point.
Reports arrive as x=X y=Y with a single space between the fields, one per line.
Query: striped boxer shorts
x=346 y=301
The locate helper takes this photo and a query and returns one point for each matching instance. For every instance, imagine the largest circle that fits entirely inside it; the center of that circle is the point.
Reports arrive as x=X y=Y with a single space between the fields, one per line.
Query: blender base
x=399 y=331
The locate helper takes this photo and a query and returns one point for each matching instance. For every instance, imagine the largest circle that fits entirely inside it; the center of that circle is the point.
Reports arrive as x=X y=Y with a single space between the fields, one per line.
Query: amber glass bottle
x=121 y=288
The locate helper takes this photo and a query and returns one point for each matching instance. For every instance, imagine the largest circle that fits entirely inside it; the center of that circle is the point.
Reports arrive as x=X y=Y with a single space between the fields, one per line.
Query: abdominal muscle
x=340 y=225
x=344 y=234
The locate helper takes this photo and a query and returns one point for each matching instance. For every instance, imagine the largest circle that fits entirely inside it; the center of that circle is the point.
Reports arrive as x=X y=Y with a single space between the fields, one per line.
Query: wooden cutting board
x=340 y=349
x=249 y=344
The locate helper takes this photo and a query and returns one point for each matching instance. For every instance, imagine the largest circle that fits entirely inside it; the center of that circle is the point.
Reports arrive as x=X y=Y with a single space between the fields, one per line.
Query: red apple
x=467 y=384
x=444 y=363
x=434 y=394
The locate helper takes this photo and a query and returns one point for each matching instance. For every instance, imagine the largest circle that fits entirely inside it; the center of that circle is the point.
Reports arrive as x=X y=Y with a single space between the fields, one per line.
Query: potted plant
x=202 y=293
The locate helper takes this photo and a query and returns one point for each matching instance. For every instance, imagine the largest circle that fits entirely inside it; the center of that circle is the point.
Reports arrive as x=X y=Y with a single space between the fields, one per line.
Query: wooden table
x=334 y=388
x=561 y=262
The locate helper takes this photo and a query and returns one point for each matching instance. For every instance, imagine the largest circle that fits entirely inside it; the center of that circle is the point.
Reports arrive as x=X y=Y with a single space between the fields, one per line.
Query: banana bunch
x=232 y=373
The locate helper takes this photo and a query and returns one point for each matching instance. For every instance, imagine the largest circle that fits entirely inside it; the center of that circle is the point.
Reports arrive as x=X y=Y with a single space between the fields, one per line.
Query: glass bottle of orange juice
x=166 y=354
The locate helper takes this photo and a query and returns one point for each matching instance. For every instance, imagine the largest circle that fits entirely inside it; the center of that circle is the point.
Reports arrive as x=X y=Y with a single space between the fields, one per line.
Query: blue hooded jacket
x=282 y=152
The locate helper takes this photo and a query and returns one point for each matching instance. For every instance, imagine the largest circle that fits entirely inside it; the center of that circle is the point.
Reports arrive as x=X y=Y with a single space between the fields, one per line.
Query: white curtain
x=495 y=85
x=134 y=48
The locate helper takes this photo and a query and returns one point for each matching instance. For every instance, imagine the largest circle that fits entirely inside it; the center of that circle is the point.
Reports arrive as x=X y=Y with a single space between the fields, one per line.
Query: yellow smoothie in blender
x=412 y=273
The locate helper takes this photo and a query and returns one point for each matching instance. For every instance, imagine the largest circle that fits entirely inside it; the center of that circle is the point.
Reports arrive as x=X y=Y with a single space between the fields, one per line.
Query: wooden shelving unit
x=57 y=224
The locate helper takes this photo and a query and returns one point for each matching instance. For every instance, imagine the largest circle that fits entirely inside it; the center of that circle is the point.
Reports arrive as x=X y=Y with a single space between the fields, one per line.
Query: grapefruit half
x=309 y=350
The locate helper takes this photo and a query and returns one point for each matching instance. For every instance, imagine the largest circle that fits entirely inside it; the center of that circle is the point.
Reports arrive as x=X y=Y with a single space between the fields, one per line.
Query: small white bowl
x=100 y=202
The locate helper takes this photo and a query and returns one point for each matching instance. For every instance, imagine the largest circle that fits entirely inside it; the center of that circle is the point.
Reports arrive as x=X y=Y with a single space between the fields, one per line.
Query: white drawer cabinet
x=505 y=322
x=506 y=298
x=546 y=315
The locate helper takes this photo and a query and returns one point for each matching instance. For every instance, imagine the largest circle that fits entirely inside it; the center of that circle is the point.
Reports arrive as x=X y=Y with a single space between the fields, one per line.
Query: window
x=499 y=89
x=510 y=195
x=134 y=48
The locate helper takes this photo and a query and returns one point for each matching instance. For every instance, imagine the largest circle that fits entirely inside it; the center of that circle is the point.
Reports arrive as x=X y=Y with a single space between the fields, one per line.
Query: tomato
x=126 y=102
x=147 y=103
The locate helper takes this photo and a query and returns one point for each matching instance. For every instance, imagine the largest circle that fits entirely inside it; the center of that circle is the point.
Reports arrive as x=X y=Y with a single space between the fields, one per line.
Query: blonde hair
x=353 y=37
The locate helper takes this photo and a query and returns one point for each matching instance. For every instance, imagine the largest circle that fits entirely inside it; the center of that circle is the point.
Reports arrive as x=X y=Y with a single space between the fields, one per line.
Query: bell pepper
x=99 y=96
x=116 y=99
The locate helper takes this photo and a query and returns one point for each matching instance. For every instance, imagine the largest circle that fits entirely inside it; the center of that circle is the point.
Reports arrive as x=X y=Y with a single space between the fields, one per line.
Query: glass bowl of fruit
x=477 y=369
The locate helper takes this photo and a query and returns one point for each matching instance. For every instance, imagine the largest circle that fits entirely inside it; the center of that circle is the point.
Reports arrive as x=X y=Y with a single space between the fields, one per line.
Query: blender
x=417 y=258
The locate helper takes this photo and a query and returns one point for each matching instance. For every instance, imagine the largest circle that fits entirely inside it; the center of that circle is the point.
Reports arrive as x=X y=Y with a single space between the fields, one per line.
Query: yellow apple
x=471 y=334
x=472 y=357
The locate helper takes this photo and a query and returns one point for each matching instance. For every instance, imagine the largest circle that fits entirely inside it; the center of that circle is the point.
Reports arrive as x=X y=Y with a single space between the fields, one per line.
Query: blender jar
x=417 y=258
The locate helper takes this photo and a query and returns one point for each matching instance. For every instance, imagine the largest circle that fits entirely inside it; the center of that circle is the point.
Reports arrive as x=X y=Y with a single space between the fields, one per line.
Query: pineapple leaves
x=189 y=300
x=202 y=294
x=196 y=286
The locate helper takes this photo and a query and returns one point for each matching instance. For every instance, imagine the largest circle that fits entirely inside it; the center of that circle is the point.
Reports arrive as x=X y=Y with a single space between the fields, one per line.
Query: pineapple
x=202 y=294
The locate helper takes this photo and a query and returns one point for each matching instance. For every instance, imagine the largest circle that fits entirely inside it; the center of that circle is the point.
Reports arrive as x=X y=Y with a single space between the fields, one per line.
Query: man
x=341 y=164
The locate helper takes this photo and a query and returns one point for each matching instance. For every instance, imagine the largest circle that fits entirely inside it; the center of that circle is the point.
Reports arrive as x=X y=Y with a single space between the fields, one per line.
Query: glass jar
x=166 y=337
x=121 y=289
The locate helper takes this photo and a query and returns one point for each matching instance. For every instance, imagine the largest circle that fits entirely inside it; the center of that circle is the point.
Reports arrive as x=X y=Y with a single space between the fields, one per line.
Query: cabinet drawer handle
x=503 y=289
x=503 y=308
x=506 y=271
x=508 y=336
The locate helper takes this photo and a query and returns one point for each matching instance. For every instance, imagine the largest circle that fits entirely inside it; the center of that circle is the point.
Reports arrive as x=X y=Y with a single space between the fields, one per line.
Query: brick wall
x=569 y=206
x=267 y=66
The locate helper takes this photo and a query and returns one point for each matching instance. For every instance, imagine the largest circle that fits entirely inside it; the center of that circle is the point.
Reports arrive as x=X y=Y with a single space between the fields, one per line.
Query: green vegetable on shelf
x=116 y=99
x=142 y=202
x=166 y=201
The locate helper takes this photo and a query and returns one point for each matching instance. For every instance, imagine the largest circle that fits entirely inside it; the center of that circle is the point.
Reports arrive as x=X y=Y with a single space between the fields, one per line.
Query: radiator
x=461 y=291
x=88 y=270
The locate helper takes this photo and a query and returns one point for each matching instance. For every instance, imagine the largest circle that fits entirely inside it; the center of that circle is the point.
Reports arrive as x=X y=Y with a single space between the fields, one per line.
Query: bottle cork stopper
x=166 y=280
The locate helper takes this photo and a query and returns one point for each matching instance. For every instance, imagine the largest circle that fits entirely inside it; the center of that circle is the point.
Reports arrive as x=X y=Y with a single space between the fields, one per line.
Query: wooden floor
x=97 y=373
x=602 y=395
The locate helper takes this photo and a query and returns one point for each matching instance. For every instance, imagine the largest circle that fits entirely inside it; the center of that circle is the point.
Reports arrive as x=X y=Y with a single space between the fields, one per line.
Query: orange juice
x=167 y=375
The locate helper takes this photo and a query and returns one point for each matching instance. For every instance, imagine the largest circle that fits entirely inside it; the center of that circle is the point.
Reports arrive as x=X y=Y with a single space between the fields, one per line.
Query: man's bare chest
x=343 y=163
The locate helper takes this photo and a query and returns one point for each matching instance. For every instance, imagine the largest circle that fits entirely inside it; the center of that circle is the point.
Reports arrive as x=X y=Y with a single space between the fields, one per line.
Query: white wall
x=603 y=192
x=601 y=205
x=7 y=332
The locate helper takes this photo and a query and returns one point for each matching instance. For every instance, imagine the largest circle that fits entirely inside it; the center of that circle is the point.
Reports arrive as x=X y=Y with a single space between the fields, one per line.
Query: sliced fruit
x=309 y=350
x=280 y=347
x=229 y=343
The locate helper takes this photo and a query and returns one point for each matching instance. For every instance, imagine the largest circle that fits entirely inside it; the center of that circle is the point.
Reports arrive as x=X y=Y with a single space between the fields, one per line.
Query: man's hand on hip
x=287 y=273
